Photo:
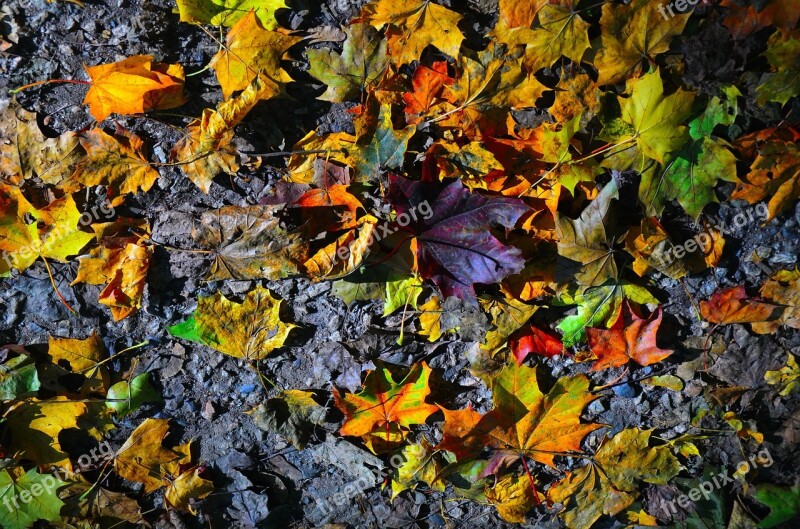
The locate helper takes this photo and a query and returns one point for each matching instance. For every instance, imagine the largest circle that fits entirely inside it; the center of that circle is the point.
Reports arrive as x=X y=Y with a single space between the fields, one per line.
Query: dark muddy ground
x=261 y=480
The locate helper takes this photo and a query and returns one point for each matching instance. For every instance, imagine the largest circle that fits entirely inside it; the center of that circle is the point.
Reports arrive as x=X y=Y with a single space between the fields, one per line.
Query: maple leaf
x=430 y=319
x=774 y=174
x=344 y=255
x=126 y=397
x=18 y=378
x=25 y=152
x=413 y=26
x=655 y=119
x=206 y=151
x=513 y=496
x=248 y=242
x=524 y=420
x=83 y=358
x=783 y=55
x=144 y=459
x=251 y=329
x=597 y=305
x=630 y=338
x=325 y=149
x=534 y=340
x=455 y=246
x=43 y=506
x=54 y=234
x=361 y=63
x=783 y=502
x=251 y=52
x=118 y=162
x=783 y=288
x=385 y=408
x=788 y=377
x=560 y=32
x=742 y=20
x=610 y=482
x=630 y=33
x=34 y=426
x=292 y=414
x=427 y=84
x=381 y=146
x=732 y=305
x=229 y=12
x=695 y=170
x=421 y=464
x=587 y=241
x=471 y=162
x=121 y=263
x=134 y=86
x=575 y=95
x=507 y=316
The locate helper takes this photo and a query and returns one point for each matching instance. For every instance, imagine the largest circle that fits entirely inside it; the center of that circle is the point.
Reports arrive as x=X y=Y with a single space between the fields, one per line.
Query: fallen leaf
x=455 y=246
x=18 y=378
x=229 y=12
x=118 y=162
x=293 y=414
x=81 y=357
x=249 y=242
x=732 y=305
x=385 y=407
x=630 y=33
x=506 y=316
x=784 y=504
x=14 y=486
x=513 y=497
x=250 y=330
x=252 y=52
x=534 y=340
x=742 y=20
x=783 y=288
x=420 y=464
x=610 y=482
x=344 y=255
x=413 y=26
x=630 y=338
x=787 y=377
x=361 y=63
x=126 y=397
x=782 y=54
x=205 y=151
x=134 y=86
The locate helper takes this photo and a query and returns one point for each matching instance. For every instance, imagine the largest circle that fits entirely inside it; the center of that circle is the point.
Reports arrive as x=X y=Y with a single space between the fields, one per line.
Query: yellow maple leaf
x=205 y=151
x=251 y=329
x=115 y=161
x=413 y=26
x=25 y=152
x=82 y=357
x=133 y=86
x=251 y=51
x=630 y=33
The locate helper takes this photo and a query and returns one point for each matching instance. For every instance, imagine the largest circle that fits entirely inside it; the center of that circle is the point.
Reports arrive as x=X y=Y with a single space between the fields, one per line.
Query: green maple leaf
x=597 y=306
x=42 y=506
x=694 y=171
x=362 y=61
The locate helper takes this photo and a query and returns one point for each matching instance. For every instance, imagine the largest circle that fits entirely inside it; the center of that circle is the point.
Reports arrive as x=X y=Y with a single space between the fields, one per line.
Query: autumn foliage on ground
x=524 y=172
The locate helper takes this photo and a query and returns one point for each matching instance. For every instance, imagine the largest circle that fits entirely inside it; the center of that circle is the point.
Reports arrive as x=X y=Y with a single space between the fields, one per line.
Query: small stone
x=208 y=411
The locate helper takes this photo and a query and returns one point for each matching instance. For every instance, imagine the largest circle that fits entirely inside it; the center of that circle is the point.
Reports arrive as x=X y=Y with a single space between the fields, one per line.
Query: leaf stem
x=17 y=90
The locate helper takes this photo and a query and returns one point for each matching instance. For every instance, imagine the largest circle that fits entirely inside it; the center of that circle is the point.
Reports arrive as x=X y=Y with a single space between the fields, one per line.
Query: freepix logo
x=680 y=5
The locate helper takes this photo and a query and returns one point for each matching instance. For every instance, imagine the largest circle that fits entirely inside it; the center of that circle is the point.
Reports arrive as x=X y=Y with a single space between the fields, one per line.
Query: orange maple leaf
x=631 y=338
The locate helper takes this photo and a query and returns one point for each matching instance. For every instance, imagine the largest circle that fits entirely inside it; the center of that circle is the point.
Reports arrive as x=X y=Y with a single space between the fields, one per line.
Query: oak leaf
x=385 y=407
x=413 y=26
x=250 y=330
x=630 y=338
x=134 y=86
x=361 y=63
x=251 y=52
